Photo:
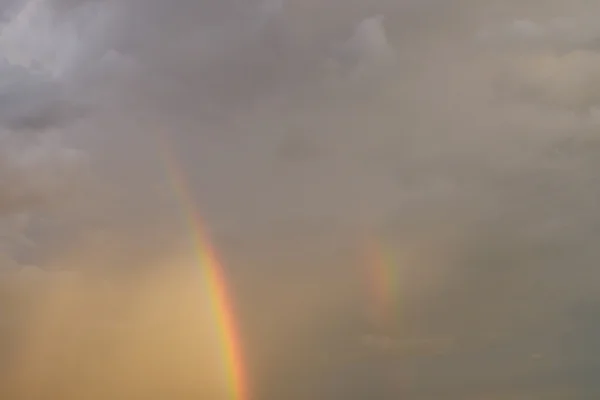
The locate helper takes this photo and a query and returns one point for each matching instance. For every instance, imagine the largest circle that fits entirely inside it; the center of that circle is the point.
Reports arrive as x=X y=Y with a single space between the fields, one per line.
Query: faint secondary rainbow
x=381 y=282
x=208 y=261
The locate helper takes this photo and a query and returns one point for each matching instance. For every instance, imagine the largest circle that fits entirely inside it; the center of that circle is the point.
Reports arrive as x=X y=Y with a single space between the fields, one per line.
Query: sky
x=458 y=136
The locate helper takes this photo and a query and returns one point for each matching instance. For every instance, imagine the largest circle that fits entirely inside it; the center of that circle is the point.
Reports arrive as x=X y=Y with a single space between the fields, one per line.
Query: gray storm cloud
x=7 y=7
x=551 y=62
x=463 y=154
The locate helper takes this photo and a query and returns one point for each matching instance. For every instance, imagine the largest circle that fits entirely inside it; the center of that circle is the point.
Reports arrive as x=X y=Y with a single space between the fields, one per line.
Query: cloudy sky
x=458 y=135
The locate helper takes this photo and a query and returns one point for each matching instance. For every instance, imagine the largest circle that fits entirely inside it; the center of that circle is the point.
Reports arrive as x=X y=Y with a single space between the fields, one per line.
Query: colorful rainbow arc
x=221 y=303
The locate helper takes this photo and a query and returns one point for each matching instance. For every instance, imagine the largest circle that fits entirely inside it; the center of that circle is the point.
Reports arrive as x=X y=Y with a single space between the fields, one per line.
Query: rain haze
x=299 y=199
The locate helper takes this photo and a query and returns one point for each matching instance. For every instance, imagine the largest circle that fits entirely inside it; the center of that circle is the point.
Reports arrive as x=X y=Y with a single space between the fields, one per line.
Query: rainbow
x=221 y=302
x=381 y=286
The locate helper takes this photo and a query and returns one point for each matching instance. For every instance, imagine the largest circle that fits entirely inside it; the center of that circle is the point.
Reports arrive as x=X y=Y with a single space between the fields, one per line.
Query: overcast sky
x=460 y=134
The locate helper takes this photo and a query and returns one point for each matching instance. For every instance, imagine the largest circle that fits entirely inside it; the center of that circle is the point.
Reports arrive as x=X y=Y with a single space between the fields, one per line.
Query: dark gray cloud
x=37 y=167
x=7 y=7
x=36 y=106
